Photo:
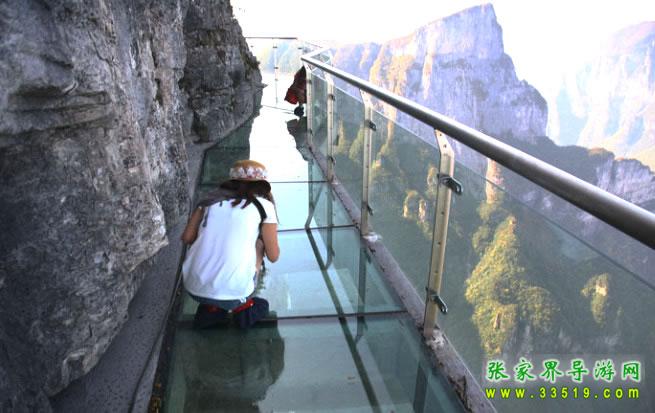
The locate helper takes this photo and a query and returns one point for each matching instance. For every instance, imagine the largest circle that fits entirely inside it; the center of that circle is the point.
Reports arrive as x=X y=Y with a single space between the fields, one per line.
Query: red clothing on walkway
x=296 y=92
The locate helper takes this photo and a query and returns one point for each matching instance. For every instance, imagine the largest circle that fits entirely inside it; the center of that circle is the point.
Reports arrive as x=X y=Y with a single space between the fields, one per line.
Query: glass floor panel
x=282 y=166
x=293 y=204
x=359 y=364
x=270 y=129
x=267 y=139
x=298 y=285
x=276 y=90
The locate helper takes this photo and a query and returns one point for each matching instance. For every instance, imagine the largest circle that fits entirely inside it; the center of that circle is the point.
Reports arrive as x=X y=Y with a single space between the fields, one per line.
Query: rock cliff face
x=93 y=166
x=456 y=66
x=610 y=102
x=220 y=71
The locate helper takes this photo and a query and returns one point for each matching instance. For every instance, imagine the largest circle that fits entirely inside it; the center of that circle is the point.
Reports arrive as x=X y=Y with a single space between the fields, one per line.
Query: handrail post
x=439 y=236
x=330 y=127
x=309 y=85
x=275 y=74
x=366 y=163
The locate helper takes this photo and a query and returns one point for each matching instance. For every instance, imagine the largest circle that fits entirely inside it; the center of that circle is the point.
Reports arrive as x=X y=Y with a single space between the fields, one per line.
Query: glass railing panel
x=517 y=285
x=298 y=285
x=348 y=143
x=293 y=205
x=620 y=179
x=355 y=365
x=314 y=171
x=327 y=208
x=402 y=196
x=319 y=113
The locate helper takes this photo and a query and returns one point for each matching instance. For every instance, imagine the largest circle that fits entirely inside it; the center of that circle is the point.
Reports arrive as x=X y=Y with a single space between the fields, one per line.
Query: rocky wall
x=93 y=167
x=220 y=71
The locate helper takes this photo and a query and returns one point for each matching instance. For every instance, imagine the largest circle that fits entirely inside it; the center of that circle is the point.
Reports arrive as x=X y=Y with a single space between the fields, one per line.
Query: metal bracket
x=452 y=183
x=436 y=298
x=364 y=253
x=372 y=237
x=369 y=209
x=331 y=159
x=371 y=125
x=331 y=96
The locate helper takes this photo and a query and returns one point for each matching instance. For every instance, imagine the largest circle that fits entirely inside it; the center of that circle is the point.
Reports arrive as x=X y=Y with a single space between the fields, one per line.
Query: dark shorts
x=227 y=305
x=245 y=318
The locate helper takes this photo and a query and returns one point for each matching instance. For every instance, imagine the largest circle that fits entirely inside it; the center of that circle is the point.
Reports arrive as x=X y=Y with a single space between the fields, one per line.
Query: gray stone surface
x=94 y=129
x=123 y=377
x=220 y=70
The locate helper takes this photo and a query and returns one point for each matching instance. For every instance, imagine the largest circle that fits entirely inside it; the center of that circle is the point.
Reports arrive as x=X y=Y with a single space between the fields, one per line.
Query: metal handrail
x=272 y=37
x=609 y=208
x=283 y=38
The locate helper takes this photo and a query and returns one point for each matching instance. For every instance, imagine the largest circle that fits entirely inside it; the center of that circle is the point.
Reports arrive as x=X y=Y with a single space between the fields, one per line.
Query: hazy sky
x=542 y=37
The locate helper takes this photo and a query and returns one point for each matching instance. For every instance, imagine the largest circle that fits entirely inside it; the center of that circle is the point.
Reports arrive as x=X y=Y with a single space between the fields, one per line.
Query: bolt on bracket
x=452 y=183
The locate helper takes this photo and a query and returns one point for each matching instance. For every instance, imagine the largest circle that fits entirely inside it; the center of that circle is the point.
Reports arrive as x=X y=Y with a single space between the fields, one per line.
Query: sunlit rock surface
x=93 y=136
x=458 y=67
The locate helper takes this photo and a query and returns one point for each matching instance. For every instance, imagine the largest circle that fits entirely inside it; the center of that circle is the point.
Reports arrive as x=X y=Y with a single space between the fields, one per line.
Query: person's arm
x=191 y=231
x=271 y=247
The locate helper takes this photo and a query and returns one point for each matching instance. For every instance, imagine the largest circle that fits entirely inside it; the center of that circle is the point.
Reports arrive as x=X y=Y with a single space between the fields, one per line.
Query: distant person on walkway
x=297 y=91
x=229 y=233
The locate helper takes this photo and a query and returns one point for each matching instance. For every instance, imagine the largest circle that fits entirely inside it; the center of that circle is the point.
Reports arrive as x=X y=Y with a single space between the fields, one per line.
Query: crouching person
x=229 y=233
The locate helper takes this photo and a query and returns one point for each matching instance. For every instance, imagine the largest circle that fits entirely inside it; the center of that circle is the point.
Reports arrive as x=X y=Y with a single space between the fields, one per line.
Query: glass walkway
x=337 y=337
x=504 y=273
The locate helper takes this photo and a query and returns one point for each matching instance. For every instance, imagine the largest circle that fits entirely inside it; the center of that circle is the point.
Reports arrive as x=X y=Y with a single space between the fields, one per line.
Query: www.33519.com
x=561 y=392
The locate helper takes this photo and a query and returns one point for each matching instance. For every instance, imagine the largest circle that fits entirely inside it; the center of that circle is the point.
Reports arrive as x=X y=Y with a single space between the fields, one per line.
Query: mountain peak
x=472 y=32
x=631 y=38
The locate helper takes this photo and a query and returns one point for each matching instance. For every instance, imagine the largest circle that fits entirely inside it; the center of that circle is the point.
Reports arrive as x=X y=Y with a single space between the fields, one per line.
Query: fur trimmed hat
x=248 y=170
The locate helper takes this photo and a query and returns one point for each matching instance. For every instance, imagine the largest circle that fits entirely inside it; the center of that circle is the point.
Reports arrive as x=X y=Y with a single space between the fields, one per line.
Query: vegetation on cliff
x=514 y=282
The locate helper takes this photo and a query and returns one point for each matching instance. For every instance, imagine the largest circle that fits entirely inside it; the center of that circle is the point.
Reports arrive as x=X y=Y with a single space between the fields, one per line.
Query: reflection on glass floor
x=336 y=337
x=356 y=364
